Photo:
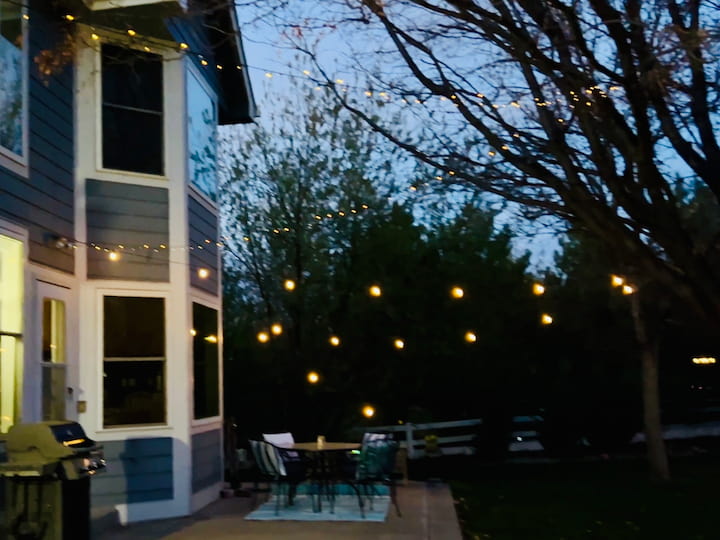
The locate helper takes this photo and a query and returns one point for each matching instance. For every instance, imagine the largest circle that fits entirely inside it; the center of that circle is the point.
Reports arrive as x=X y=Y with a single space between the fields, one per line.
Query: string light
x=263 y=337
x=211 y=338
x=193 y=332
x=368 y=411
x=375 y=290
x=457 y=292
x=546 y=319
x=399 y=344
x=538 y=289
x=289 y=285
x=470 y=336
x=313 y=377
x=276 y=329
x=628 y=289
x=617 y=281
x=334 y=341
x=704 y=360
x=114 y=256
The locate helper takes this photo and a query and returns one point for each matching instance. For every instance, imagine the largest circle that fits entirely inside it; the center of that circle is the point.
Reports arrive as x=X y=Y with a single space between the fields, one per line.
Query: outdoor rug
x=346 y=509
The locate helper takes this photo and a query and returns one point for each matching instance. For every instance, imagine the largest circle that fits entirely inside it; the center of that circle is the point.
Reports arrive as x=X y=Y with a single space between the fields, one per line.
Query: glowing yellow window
x=11 y=315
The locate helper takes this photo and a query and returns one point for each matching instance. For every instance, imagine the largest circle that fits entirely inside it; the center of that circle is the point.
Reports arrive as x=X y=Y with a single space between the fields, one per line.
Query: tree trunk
x=655 y=444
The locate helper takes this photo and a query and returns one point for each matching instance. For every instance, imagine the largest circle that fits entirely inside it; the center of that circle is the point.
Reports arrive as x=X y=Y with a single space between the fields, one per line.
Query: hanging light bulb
x=457 y=292
x=617 y=281
x=628 y=289
x=538 y=289
x=375 y=291
x=546 y=319
x=334 y=341
x=276 y=329
x=313 y=377
x=263 y=337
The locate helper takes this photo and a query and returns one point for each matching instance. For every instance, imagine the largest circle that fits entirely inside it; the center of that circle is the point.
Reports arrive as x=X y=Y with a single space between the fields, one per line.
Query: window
x=11 y=314
x=132 y=110
x=205 y=361
x=13 y=105
x=134 y=361
x=53 y=359
x=202 y=136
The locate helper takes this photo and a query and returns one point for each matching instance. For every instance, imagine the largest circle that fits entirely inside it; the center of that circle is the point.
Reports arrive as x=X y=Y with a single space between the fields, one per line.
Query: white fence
x=459 y=436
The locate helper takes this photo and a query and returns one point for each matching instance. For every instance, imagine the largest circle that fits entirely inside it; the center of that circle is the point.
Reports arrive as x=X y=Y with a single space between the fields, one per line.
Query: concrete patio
x=427 y=513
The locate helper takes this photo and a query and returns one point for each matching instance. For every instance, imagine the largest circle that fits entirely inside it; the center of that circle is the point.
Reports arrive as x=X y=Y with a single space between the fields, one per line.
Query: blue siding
x=203 y=241
x=43 y=202
x=138 y=470
x=131 y=216
x=206 y=459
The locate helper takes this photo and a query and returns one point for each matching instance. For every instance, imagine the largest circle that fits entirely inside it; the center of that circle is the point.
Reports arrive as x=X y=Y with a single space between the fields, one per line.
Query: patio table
x=324 y=464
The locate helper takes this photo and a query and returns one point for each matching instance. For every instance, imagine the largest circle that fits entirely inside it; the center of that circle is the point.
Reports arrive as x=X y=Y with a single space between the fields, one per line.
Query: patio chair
x=277 y=471
x=375 y=465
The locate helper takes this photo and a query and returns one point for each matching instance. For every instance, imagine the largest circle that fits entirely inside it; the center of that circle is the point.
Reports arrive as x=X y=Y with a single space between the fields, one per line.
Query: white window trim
x=118 y=175
x=100 y=390
x=9 y=159
x=193 y=71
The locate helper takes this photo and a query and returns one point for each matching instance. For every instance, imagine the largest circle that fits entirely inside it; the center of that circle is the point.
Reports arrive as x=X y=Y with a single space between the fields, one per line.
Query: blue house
x=110 y=289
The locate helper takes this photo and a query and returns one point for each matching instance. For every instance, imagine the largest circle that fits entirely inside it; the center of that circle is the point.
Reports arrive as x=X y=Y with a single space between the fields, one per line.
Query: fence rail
x=457 y=436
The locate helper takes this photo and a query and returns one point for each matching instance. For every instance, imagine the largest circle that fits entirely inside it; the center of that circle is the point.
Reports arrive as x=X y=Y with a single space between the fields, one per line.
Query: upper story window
x=132 y=110
x=202 y=136
x=13 y=101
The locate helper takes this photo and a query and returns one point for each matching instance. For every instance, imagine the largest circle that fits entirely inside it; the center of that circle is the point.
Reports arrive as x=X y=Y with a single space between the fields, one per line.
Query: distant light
x=399 y=344
x=289 y=285
x=203 y=273
x=368 y=411
x=211 y=339
x=94 y=36
x=628 y=289
x=470 y=336
x=263 y=337
x=313 y=377
x=131 y=32
x=184 y=46
x=69 y=17
x=114 y=256
x=334 y=341
x=457 y=292
x=276 y=329
x=375 y=291
x=704 y=360
x=538 y=289
x=546 y=319
x=617 y=281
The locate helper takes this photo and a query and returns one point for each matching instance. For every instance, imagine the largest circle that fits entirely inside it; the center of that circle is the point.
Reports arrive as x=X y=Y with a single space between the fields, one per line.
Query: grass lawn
x=611 y=499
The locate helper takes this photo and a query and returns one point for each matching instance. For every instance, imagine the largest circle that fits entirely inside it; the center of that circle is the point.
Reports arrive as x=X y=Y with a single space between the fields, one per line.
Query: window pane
x=53 y=392
x=134 y=392
x=12 y=103
x=11 y=318
x=134 y=327
x=202 y=144
x=132 y=78
x=205 y=361
x=132 y=140
x=132 y=112
x=53 y=336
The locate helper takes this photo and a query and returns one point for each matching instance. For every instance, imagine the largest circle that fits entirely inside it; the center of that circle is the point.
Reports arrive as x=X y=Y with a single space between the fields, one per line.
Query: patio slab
x=428 y=513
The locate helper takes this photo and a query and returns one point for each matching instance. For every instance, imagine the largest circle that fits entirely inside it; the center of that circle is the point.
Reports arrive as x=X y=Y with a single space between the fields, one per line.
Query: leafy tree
x=586 y=111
